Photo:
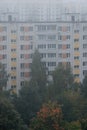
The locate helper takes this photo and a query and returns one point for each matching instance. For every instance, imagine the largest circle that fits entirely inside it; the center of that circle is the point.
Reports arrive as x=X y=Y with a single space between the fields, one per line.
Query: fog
x=27 y=1
x=20 y=2
x=27 y=8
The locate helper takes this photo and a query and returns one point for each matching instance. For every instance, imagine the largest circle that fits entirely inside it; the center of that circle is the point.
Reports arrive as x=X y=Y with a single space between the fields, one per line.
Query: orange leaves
x=50 y=110
x=49 y=117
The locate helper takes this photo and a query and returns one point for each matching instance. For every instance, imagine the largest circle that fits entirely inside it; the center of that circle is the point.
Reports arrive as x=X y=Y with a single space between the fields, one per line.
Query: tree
x=83 y=124
x=3 y=77
x=74 y=125
x=84 y=87
x=38 y=74
x=9 y=117
x=76 y=105
x=29 y=101
x=48 y=118
x=33 y=94
x=62 y=78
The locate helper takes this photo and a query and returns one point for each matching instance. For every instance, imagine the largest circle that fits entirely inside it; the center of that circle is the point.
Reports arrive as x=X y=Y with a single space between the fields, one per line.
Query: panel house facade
x=59 y=42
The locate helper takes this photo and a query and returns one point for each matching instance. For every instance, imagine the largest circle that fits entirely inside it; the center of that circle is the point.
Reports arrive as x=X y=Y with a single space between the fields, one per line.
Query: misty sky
x=14 y=3
x=21 y=1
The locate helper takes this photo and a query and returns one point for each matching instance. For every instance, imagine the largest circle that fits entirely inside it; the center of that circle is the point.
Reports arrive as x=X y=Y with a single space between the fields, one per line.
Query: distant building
x=44 y=10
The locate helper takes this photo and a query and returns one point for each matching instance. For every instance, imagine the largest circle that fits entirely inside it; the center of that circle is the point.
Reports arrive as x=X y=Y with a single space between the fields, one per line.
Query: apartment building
x=59 y=42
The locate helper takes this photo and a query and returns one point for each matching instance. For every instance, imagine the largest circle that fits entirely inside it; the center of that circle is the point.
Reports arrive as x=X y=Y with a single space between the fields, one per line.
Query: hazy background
x=30 y=8
x=24 y=1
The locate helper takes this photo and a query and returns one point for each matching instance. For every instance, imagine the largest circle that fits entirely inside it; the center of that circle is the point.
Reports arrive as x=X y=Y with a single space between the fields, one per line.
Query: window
x=51 y=64
x=68 y=63
x=4 y=38
x=1 y=47
x=22 y=65
x=76 y=66
x=26 y=74
x=52 y=37
x=13 y=40
x=30 y=64
x=76 y=40
x=4 y=56
x=60 y=46
x=30 y=46
x=30 y=56
x=85 y=63
x=64 y=28
x=85 y=54
x=30 y=37
x=26 y=56
x=84 y=45
x=41 y=46
x=42 y=37
x=68 y=54
x=26 y=65
x=22 y=38
x=21 y=28
x=68 y=37
x=41 y=27
x=85 y=37
x=84 y=72
x=65 y=55
x=60 y=55
x=13 y=59
x=59 y=37
x=44 y=64
x=13 y=31
x=22 y=74
x=24 y=47
x=68 y=28
x=22 y=83
x=84 y=28
x=4 y=47
x=26 y=38
x=76 y=75
x=13 y=50
x=13 y=86
x=13 y=68
x=51 y=27
x=4 y=28
x=64 y=37
x=76 y=31
x=76 y=57
x=51 y=46
x=60 y=28
x=5 y=66
x=76 y=49
x=13 y=77
x=68 y=46
x=22 y=56
x=50 y=55
x=43 y=55
x=30 y=28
